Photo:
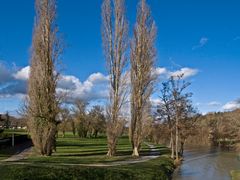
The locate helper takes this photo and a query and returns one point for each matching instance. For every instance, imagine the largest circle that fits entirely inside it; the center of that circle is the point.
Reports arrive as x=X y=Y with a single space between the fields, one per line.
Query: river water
x=207 y=164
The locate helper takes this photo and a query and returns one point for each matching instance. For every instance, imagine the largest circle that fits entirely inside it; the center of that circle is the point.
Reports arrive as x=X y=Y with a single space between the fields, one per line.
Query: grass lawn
x=88 y=151
x=15 y=131
x=72 y=151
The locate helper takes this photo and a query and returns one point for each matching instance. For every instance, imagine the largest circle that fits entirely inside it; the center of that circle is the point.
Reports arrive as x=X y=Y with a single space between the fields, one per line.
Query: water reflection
x=207 y=164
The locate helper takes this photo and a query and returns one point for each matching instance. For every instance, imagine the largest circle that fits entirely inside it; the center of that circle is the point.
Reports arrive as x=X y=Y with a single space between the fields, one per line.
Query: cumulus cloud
x=202 y=42
x=9 y=86
x=22 y=74
x=230 y=106
x=95 y=87
x=160 y=71
x=68 y=82
x=186 y=72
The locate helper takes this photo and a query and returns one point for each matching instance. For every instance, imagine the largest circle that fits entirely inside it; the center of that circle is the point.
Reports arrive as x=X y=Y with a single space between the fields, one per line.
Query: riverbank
x=235 y=175
x=160 y=168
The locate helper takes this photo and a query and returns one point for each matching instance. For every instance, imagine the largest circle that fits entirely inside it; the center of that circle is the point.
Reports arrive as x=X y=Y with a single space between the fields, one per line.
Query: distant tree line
x=218 y=129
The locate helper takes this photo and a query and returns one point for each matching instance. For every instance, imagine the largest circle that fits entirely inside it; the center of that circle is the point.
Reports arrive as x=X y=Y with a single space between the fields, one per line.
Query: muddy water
x=207 y=164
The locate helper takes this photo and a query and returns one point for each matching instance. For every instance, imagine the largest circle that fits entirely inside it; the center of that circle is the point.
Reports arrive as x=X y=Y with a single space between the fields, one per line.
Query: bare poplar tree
x=43 y=103
x=115 y=42
x=142 y=65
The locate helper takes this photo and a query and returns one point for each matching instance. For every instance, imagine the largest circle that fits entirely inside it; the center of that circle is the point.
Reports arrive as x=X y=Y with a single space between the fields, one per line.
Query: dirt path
x=16 y=159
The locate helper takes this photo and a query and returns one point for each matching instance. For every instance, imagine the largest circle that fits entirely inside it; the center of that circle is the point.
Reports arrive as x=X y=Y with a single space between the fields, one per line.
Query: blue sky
x=202 y=35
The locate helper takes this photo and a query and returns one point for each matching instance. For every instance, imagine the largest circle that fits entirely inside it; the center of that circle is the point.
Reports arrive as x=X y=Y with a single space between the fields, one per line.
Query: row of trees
x=88 y=123
x=80 y=121
x=43 y=108
x=218 y=129
x=5 y=121
x=116 y=45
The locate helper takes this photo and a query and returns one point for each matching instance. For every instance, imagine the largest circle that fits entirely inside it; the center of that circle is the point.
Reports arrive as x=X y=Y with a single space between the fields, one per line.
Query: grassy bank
x=72 y=153
x=160 y=168
x=235 y=175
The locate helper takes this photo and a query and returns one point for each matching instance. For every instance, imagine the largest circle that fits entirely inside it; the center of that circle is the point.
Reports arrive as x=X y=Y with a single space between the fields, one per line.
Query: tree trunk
x=135 y=152
x=111 y=151
x=182 y=148
x=177 y=139
x=172 y=145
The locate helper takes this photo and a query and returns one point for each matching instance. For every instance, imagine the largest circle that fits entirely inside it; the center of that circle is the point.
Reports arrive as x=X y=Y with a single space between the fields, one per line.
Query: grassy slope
x=235 y=175
x=87 y=151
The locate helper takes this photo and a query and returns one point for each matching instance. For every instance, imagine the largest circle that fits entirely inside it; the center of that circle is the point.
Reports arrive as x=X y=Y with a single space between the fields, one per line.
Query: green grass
x=64 y=164
x=160 y=168
x=235 y=175
x=87 y=151
x=6 y=153
x=15 y=131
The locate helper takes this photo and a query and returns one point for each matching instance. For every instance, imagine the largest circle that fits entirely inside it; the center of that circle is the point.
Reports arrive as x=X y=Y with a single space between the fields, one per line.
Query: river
x=207 y=164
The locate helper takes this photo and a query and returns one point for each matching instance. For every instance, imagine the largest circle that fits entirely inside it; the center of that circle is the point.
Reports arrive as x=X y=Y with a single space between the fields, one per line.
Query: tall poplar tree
x=43 y=103
x=142 y=76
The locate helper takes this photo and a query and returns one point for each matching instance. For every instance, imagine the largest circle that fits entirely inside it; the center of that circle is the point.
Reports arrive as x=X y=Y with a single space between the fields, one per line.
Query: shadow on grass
x=64 y=144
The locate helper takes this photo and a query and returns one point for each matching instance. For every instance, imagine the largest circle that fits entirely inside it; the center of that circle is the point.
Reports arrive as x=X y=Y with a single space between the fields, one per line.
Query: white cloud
x=231 y=105
x=202 y=42
x=22 y=74
x=186 y=72
x=214 y=103
x=97 y=78
x=155 y=101
x=160 y=71
x=95 y=87
x=68 y=82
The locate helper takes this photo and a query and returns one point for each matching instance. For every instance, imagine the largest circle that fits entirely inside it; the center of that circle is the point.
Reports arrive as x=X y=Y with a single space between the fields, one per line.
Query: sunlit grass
x=74 y=150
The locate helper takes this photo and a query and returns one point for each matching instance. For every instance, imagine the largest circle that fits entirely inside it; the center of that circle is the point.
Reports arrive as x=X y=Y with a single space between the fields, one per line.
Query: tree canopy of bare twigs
x=142 y=79
x=43 y=103
x=177 y=113
x=115 y=42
